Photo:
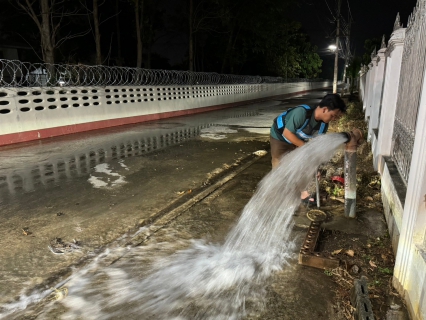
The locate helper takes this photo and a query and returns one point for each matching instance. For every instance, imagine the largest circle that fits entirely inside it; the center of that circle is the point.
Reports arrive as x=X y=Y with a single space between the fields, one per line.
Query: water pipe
x=354 y=140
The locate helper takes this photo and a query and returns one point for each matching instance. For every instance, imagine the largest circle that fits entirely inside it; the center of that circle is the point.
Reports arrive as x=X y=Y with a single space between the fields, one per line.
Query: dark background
x=371 y=19
x=257 y=49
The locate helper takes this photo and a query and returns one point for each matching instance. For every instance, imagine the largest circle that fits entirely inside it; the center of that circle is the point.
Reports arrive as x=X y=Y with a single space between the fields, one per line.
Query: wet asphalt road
x=93 y=188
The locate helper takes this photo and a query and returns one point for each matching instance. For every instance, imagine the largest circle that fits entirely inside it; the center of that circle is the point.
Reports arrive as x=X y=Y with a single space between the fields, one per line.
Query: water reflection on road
x=44 y=164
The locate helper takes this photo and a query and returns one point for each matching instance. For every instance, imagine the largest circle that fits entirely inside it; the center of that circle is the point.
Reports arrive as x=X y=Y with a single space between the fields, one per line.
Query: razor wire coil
x=15 y=73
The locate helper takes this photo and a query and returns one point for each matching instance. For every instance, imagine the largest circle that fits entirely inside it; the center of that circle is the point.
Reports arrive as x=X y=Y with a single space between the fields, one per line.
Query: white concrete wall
x=393 y=196
x=371 y=87
x=28 y=109
x=390 y=96
x=362 y=79
x=403 y=201
x=367 y=86
x=376 y=99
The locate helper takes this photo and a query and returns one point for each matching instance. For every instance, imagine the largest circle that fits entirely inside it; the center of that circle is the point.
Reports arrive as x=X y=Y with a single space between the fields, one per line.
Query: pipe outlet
x=354 y=139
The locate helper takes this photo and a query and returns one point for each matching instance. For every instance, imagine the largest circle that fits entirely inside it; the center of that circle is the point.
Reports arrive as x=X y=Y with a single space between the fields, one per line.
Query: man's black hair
x=333 y=101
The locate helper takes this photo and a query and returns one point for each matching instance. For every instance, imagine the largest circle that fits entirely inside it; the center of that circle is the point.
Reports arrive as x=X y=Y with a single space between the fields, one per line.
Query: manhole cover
x=316 y=215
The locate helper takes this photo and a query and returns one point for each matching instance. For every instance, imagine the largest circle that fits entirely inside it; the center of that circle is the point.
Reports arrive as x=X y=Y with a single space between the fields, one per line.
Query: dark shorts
x=279 y=149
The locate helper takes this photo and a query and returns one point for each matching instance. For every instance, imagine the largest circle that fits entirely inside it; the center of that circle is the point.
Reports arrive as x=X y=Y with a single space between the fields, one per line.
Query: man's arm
x=290 y=136
x=294 y=120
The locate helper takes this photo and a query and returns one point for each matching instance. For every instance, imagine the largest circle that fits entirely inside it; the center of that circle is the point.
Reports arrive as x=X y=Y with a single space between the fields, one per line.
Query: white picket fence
x=393 y=91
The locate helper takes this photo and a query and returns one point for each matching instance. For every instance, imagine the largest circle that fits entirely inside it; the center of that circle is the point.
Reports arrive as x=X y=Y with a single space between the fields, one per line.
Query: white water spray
x=206 y=281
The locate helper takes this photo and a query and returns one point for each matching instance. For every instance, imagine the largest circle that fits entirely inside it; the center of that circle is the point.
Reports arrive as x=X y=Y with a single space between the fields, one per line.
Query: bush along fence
x=393 y=91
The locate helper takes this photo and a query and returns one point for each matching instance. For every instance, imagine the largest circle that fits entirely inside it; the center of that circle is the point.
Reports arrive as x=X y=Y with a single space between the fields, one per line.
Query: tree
x=204 y=17
x=49 y=17
x=191 y=35
x=139 y=15
x=262 y=33
x=310 y=61
x=95 y=14
x=287 y=51
x=370 y=45
x=95 y=20
x=353 y=71
x=153 y=28
x=119 y=58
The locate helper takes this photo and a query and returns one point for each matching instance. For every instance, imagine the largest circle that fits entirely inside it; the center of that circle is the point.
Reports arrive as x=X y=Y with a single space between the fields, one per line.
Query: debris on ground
x=26 y=231
x=58 y=294
x=371 y=257
x=58 y=246
x=260 y=152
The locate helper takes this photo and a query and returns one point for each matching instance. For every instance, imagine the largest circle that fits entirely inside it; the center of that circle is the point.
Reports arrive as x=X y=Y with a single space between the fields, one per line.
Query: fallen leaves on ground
x=374 y=256
x=336 y=252
x=350 y=253
x=26 y=232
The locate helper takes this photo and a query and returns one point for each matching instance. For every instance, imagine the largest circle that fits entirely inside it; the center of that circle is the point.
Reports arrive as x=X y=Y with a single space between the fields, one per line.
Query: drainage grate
x=309 y=257
x=361 y=300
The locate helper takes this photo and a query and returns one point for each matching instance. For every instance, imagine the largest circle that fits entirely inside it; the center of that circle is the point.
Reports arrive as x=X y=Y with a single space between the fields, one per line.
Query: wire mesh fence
x=15 y=73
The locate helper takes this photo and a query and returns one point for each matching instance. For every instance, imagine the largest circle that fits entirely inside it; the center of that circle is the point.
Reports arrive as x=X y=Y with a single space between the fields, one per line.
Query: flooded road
x=79 y=204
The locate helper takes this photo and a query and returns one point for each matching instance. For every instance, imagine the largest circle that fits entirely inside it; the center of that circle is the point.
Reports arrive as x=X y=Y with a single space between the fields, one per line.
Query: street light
x=332 y=47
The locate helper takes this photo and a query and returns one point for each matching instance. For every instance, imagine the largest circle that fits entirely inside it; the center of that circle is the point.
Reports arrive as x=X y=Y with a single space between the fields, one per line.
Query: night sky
x=371 y=19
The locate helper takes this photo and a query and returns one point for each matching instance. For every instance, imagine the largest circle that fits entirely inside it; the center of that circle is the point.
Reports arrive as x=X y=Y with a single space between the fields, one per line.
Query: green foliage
x=229 y=36
x=338 y=191
x=369 y=46
x=328 y=272
x=366 y=257
x=375 y=283
x=386 y=271
x=354 y=67
x=292 y=54
x=252 y=37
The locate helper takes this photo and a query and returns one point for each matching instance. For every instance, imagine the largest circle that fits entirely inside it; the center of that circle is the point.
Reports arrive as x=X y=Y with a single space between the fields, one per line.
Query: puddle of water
x=213 y=136
x=216 y=132
x=29 y=168
x=121 y=163
x=112 y=178
x=97 y=182
x=21 y=177
x=204 y=281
